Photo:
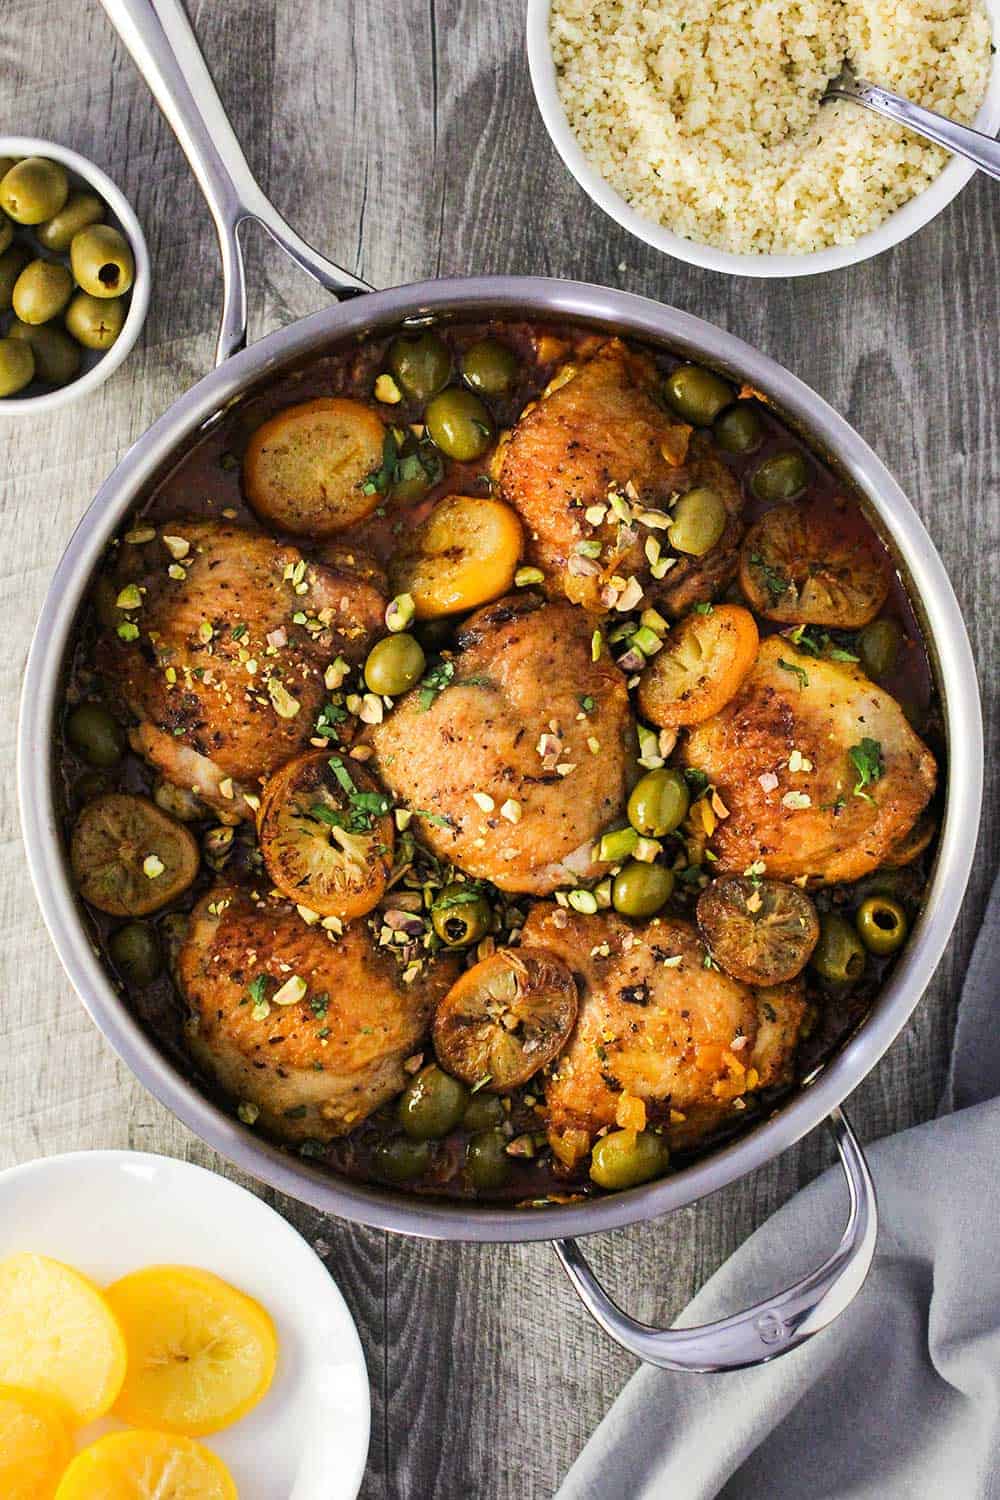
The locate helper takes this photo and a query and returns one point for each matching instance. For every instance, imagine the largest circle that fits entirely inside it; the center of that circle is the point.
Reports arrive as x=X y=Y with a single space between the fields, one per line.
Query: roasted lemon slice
x=760 y=931
x=146 y=1466
x=200 y=1353
x=58 y=1336
x=128 y=857
x=464 y=554
x=703 y=662
x=326 y=835
x=505 y=1018
x=35 y=1444
x=806 y=565
x=315 y=468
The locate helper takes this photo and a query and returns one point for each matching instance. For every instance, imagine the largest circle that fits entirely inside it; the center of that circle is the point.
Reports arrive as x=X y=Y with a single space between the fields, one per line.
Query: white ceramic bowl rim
x=121 y=209
x=898 y=226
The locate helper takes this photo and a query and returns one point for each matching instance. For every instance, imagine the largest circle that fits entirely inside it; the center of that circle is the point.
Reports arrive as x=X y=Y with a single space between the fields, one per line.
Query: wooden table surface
x=405 y=142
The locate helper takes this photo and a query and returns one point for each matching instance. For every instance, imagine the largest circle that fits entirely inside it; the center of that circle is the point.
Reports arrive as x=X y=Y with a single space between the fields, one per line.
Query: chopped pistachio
x=583 y=901
x=387 y=391
x=153 y=866
x=177 y=546
x=511 y=810
x=285 y=706
x=484 y=801
x=247 y=1112
x=525 y=577
x=399 y=612
x=291 y=992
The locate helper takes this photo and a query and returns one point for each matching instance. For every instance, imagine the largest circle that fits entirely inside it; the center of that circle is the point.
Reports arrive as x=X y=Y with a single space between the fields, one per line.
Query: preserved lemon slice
x=58 y=1336
x=146 y=1466
x=802 y=565
x=200 y=1353
x=760 y=931
x=128 y=857
x=35 y=1445
x=464 y=554
x=314 y=468
x=703 y=662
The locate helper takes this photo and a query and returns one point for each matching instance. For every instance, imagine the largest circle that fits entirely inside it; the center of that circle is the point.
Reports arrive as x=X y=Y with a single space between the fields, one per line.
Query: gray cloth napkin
x=900 y=1398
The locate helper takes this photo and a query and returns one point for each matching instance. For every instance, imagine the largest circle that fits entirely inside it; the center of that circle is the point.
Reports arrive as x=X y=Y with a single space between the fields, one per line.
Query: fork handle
x=982 y=150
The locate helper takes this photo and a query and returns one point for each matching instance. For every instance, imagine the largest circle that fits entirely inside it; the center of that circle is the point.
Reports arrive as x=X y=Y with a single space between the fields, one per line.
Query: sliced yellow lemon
x=146 y=1466
x=58 y=1336
x=35 y=1444
x=200 y=1353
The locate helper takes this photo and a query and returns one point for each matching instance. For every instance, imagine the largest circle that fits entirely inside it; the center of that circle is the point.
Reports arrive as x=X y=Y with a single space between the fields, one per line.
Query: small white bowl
x=899 y=225
x=110 y=1212
x=97 y=365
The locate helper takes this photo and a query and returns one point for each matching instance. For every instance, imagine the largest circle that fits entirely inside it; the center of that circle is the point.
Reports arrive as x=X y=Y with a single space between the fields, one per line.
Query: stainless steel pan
x=160 y=39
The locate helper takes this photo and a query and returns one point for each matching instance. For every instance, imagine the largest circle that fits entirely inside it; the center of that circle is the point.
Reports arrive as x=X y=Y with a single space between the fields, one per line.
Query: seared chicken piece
x=833 y=810
x=315 y=1066
x=687 y=1041
x=225 y=684
x=604 y=431
x=524 y=758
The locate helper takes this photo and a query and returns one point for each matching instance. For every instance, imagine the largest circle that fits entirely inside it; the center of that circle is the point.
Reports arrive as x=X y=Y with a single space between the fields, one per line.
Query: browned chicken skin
x=794 y=702
x=225 y=684
x=317 y=1067
x=527 y=755
x=604 y=430
x=688 y=1041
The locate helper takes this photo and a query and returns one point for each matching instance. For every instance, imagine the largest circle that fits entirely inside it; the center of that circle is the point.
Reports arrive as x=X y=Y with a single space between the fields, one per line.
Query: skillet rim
x=632 y=316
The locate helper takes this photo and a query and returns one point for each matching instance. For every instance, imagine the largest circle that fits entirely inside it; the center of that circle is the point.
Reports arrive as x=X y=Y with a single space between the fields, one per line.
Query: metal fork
x=982 y=150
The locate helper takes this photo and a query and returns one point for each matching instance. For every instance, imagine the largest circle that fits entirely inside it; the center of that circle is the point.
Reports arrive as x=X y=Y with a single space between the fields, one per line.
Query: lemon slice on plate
x=35 y=1444
x=146 y=1466
x=58 y=1336
x=200 y=1353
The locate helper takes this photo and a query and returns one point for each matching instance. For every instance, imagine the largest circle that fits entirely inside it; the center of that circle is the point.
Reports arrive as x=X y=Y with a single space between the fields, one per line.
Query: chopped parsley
x=704 y=609
x=330 y=715
x=818 y=643
x=436 y=680
x=379 y=481
x=696 y=780
x=319 y=1005
x=799 y=672
x=436 y=819
x=776 y=584
x=257 y=988
x=587 y=704
x=342 y=774
x=463 y=895
x=866 y=758
x=239 y=631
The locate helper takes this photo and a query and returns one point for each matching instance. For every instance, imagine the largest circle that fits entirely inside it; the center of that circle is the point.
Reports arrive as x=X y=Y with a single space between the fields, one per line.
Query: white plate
x=108 y=1212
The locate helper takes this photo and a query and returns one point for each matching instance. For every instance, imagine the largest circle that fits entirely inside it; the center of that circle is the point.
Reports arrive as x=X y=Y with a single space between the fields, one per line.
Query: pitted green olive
x=78 y=212
x=485 y=1111
x=878 y=647
x=882 y=925
x=739 y=429
x=640 y=890
x=780 y=477
x=624 y=1158
x=34 y=190
x=57 y=358
x=17 y=366
x=95 y=322
x=490 y=367
x=41 y=291
x=459 y=424
x=102 y=261
x=486 y=1161
x=658 y=803
x=420 y=364
x=697 y=395
x=460 y=915
x=401 y=1159
x=95 y=734
x=839 y=955
x=433 y=1104
x=699 y=519
x=395 y=664
x=135 y=953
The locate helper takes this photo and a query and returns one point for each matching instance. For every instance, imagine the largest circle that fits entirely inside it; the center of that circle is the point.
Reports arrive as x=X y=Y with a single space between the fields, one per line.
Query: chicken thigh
x=818 y=768
x=657 y=1025
x=308 y=1028
x=221 y=658
x=524 y=758
x=592 y=470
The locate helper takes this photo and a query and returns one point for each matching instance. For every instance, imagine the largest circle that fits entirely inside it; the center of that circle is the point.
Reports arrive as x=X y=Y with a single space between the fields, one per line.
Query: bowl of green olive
x=74 y=276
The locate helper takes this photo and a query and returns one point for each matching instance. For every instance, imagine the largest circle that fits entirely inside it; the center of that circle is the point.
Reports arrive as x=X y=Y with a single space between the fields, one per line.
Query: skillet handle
x=158 y=34
x=770 y=1328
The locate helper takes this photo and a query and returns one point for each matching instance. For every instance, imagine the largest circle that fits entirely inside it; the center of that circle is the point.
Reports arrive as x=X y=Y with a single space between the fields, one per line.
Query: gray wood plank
x=404 y=141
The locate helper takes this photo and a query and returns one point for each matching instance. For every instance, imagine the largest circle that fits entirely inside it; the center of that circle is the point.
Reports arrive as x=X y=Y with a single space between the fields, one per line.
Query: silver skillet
x=160 y=39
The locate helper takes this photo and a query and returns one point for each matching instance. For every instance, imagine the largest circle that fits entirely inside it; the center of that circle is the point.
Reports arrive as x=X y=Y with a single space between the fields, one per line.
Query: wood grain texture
x=404 y=141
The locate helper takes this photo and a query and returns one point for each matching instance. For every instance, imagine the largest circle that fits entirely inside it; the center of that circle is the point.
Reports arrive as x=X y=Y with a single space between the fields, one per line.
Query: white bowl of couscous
x=697 y=124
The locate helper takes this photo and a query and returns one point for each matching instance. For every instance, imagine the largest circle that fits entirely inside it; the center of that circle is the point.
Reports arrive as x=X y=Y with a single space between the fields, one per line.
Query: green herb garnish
x=436 y=680
x=866 y=758
x=799 y=672
x=776 y=583
x=379 y=481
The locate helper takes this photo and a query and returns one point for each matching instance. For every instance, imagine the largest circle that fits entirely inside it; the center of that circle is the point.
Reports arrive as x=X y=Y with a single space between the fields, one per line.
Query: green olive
x=17 y=366
x=459 y=424
x=739 y=428
x=395 y=664
x=401 y=1159
x=135 y=952
x=485 y=1111
x=878 y=647
x=34 y=190
x=41 y=291
x=697 y=395
x=421 y=365
x=881 y=924
x=6 y=233
x=57 y=358
x=12 y=263
x=95 y=734
x=490 y=367
x=487 y=1164
x=624 y=1158
x=640 y=890
x=460 y=915
x=780 y=477
x=102 y=262
x=659 y=803
x=433 y=1104
x=78 y=212
x=839 y=955
x=699 y=519
x=95 y=322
